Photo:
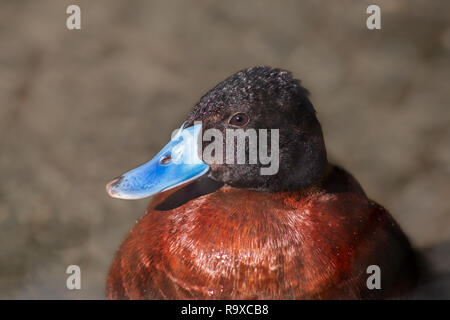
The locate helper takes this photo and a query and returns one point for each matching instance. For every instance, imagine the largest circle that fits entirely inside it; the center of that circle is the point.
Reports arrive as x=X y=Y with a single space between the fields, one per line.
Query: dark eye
x=239 y=119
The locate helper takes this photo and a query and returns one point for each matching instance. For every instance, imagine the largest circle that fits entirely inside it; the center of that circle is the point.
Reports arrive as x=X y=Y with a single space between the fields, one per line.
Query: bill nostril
x=166 y=159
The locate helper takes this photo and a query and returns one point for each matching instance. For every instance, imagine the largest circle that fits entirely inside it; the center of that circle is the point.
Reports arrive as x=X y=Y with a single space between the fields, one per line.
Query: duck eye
x=239 y=119
x=166 y=159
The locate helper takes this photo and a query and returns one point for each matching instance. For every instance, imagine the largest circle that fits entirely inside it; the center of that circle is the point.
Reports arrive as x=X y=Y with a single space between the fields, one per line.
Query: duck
x=223 y=230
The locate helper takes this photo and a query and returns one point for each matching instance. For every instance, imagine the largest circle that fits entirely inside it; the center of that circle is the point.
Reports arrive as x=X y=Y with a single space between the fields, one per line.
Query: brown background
x=78 y=108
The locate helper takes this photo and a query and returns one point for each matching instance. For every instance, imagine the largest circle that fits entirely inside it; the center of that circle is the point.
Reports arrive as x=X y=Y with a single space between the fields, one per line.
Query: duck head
x=262 y=103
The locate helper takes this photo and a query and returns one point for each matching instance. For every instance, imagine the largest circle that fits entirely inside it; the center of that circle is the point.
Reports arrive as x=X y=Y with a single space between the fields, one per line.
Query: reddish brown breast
x=236 y=244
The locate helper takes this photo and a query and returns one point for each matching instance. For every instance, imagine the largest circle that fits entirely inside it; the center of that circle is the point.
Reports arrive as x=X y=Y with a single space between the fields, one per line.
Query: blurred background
x=78 y=108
